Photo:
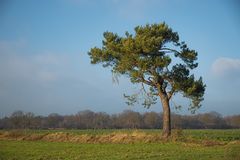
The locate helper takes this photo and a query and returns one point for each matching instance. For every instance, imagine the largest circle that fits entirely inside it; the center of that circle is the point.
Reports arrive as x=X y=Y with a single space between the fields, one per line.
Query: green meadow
x=183 y=145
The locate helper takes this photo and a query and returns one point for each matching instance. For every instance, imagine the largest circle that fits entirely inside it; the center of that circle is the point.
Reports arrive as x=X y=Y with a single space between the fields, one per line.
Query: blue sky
x=44 y=66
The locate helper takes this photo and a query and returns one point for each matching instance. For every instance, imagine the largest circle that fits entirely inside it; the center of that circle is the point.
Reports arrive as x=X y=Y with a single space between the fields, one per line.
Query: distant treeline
x=127 y=119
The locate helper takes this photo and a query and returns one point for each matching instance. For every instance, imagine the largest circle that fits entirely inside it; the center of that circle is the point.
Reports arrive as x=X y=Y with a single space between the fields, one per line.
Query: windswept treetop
x=153 y=56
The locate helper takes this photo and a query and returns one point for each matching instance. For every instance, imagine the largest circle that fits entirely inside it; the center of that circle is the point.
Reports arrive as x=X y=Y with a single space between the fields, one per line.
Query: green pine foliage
x=155 y=57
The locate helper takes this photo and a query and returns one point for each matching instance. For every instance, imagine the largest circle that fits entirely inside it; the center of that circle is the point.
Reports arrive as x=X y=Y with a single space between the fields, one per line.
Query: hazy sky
x=44 y=66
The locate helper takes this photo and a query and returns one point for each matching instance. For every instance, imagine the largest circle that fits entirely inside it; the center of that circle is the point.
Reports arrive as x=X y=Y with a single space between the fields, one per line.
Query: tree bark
x=166 y=117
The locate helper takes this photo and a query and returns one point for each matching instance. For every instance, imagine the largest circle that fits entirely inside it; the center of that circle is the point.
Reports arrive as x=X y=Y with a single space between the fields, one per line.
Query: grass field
x=193 y=144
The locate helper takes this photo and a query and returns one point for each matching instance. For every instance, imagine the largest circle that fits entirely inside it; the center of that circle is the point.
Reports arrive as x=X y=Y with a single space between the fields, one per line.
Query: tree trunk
x=166 y=117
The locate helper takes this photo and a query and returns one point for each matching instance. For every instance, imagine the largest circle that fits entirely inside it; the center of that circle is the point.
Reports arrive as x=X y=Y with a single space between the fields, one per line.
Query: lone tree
x=155 y=57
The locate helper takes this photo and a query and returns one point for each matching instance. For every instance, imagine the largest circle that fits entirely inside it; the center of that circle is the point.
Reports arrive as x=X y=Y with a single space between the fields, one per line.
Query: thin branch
x=144 y=88
x=172 y=50
x=147 y=82
x=170 y=93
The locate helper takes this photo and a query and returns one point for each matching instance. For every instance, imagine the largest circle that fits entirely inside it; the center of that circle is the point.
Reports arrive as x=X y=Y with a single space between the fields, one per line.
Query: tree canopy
x=153 y=56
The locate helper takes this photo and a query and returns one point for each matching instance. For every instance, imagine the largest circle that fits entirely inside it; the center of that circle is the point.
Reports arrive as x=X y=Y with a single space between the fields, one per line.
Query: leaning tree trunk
x=166 y=117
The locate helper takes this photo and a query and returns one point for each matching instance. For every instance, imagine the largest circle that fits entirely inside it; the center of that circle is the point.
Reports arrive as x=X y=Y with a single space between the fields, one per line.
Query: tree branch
x=144 y=88
x=147 y=82
x=170 y=93
x=169 y=49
